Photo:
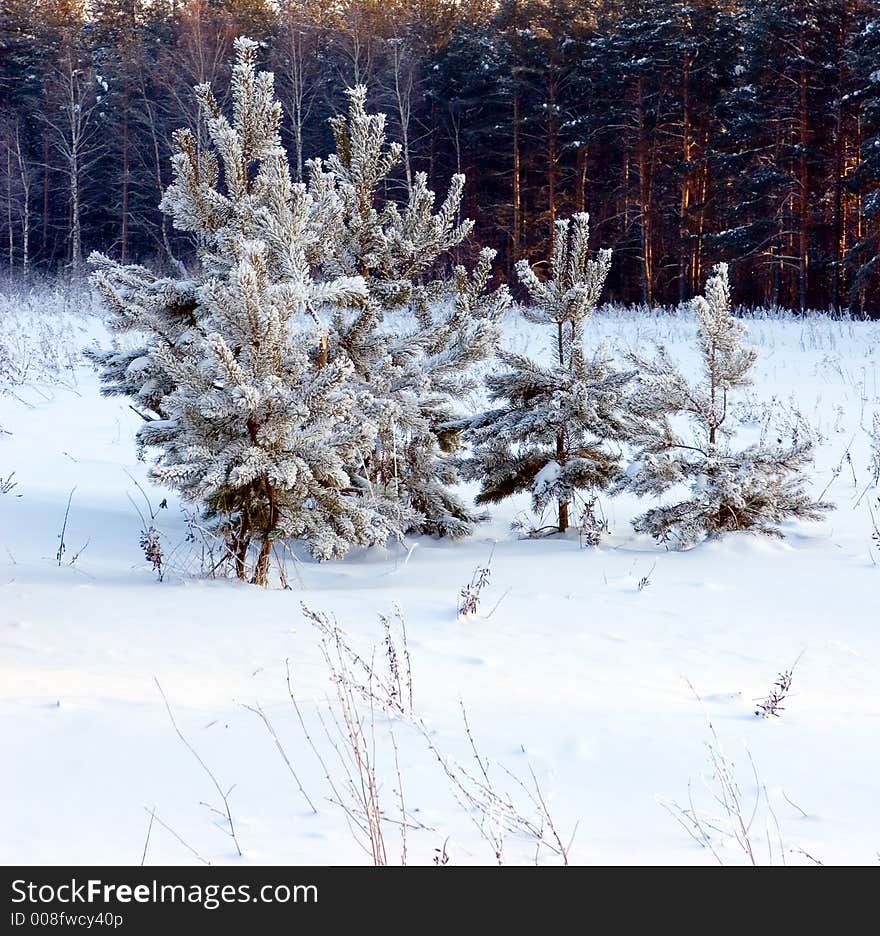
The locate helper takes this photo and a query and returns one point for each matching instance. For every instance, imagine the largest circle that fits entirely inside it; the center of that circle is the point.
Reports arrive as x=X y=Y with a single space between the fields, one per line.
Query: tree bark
x=9 y=204
x=645 y=198
x=803 y=183
x=24 y=172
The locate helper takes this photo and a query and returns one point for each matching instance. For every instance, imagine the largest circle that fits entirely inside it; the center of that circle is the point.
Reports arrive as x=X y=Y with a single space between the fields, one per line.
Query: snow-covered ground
x=569 y=669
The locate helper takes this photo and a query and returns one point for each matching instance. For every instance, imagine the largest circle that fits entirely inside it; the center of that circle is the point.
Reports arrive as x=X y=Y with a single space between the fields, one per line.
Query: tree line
x=692 y=131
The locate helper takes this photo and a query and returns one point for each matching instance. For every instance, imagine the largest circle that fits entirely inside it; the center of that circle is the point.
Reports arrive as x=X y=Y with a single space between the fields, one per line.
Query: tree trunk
x=157 y=166
x=803 y=183
x=686 y=247
x=403 y=98
x=563 y=504
x=838 y=226
x=580 y=196
x=517 y=184
x=261 y=569
x=702 y=198
x=432 y=144
x=560 y=436
x=563 y=516
x=126 y=170
x=240 y=545
x=44 y=247
x=552 y=151
x=23 y=170
x=9 y=204
x=645 y=199
x=75 y=224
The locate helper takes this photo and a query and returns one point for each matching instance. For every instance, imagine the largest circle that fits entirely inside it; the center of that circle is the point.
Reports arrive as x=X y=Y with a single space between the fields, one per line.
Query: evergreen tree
x=413 y=339
x=553 y=429
x=751 y=489
x=251 y=419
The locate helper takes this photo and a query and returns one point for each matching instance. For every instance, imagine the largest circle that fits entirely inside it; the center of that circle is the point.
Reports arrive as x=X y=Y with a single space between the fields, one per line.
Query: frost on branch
x=554 y=428
x=755 y=488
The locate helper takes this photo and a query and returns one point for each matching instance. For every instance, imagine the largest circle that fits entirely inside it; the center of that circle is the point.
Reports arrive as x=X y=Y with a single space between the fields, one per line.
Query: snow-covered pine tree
x=554 y=427
x=247 y=414
x=414 y=339
x=753 y=489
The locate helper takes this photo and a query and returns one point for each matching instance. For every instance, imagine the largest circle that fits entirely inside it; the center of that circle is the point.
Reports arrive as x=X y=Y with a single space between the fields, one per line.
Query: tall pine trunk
x=9 y=205
x=645 y=198
x=803 y=244
x=560 y=436
x=126 y=183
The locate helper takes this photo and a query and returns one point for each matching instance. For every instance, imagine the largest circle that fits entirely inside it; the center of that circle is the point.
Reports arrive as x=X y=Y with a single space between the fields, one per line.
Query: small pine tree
x=553 y=429
x=414 y=339
x=752 y=489
x=246 y=413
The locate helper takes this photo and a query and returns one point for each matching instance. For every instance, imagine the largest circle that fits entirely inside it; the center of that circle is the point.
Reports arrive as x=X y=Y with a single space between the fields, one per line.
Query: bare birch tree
x=72 y=120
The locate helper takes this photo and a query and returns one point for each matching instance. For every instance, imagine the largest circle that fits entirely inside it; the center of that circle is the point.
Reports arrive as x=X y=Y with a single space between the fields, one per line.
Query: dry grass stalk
x=772 y=705
x=257 y=710
x=734 y=814
x=469 y=596
x=494 y=812
x=592 y=527
x=349 y=725
x=225 y=813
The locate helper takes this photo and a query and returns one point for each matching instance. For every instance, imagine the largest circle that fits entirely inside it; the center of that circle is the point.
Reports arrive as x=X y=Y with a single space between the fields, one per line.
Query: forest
x=692 y=131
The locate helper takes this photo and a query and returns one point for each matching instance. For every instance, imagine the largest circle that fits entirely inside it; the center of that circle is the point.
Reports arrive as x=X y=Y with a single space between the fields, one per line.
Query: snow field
x=567 y=657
